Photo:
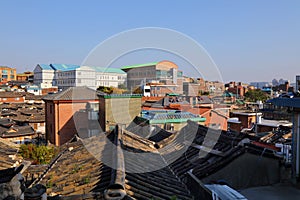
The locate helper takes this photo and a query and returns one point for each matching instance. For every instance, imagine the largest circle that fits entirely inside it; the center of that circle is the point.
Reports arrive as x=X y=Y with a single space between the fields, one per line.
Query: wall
x=248 y=170
x=118 y=110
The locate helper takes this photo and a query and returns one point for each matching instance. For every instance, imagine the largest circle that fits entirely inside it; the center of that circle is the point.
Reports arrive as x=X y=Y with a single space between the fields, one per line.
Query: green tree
x=256 y=95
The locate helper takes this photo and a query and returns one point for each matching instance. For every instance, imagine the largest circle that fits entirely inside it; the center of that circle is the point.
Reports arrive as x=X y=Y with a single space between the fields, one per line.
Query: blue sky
x=248 y=40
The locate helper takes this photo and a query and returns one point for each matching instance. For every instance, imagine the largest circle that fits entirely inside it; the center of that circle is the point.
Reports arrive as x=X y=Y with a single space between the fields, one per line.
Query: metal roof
x=139 y=65
x=285 y=102
x=45 y=67
x=158 y=117
x=64 y=67
x=108 y=70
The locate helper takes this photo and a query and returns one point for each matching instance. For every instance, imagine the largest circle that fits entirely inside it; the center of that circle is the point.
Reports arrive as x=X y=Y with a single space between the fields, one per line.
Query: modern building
x=163 y=72
x=64 y=76
x=43 y=74
x=7 y=74
x=63 y=112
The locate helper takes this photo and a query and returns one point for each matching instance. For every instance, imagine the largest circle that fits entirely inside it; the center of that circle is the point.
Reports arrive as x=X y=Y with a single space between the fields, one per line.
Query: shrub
x=38 y=154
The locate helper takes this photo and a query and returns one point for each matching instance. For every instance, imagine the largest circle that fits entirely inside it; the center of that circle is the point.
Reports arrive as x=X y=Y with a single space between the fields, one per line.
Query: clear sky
x=255 y=40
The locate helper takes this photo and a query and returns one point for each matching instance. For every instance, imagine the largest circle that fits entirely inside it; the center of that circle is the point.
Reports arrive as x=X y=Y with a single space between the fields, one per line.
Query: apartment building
x=7 y=74
x=163 y=72
x=64 y=76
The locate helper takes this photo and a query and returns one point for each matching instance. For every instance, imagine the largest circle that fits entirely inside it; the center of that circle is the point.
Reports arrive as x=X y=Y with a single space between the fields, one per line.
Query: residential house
x=12 y=97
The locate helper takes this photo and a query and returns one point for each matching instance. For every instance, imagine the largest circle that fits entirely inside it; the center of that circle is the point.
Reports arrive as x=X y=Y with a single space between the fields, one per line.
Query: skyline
x=249 y=41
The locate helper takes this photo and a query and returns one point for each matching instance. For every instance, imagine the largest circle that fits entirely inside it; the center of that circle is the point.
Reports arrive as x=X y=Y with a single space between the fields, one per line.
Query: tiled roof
x=139 y=127
x=225 y=149
x=16 y=131
x=73 y=93
x=77 y=172
x=8 y=155
x=11 y=94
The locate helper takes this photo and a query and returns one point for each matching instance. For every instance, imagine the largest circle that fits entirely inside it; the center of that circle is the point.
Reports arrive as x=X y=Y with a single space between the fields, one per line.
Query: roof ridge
x=117 y=182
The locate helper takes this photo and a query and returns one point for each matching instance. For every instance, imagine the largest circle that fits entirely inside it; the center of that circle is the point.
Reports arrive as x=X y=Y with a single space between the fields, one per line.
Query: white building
x=65 y=76
x=43 y=74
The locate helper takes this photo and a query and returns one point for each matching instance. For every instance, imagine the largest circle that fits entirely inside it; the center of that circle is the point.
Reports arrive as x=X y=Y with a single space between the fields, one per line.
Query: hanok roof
x=11 y=94
x=73 y=93
x=8 y=155
x=16 y=131
x=83 y=174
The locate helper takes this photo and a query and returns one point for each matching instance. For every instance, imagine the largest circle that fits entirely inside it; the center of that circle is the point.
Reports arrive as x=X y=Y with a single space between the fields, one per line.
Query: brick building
x=63 y=110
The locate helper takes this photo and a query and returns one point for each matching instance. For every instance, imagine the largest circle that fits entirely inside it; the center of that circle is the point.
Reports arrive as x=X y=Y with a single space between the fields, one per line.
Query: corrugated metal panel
x=285 y=102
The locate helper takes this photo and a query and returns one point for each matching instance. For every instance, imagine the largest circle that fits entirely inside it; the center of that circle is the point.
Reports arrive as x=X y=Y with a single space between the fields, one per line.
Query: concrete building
x=63 y=113
x=7 y=74
x=26 y=77
x=65 y=76
x=164 y=72
x=121 y=109
x=43 y=74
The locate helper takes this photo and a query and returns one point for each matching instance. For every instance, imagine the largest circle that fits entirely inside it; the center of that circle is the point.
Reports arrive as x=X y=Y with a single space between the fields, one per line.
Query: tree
x=256 y=95
x=107 y=90
x=138 y=90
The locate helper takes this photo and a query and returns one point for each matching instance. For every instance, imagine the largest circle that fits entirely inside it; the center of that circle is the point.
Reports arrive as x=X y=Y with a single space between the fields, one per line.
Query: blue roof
x=285 y=102
x=46 y=67
x=64 y=67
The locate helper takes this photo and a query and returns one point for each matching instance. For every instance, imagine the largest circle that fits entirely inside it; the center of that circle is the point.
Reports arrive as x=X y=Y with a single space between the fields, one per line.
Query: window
x=17 y=98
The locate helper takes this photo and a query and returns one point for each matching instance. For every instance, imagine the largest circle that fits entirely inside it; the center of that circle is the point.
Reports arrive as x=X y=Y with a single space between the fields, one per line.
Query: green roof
x=140 y=65
x=108 y=70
